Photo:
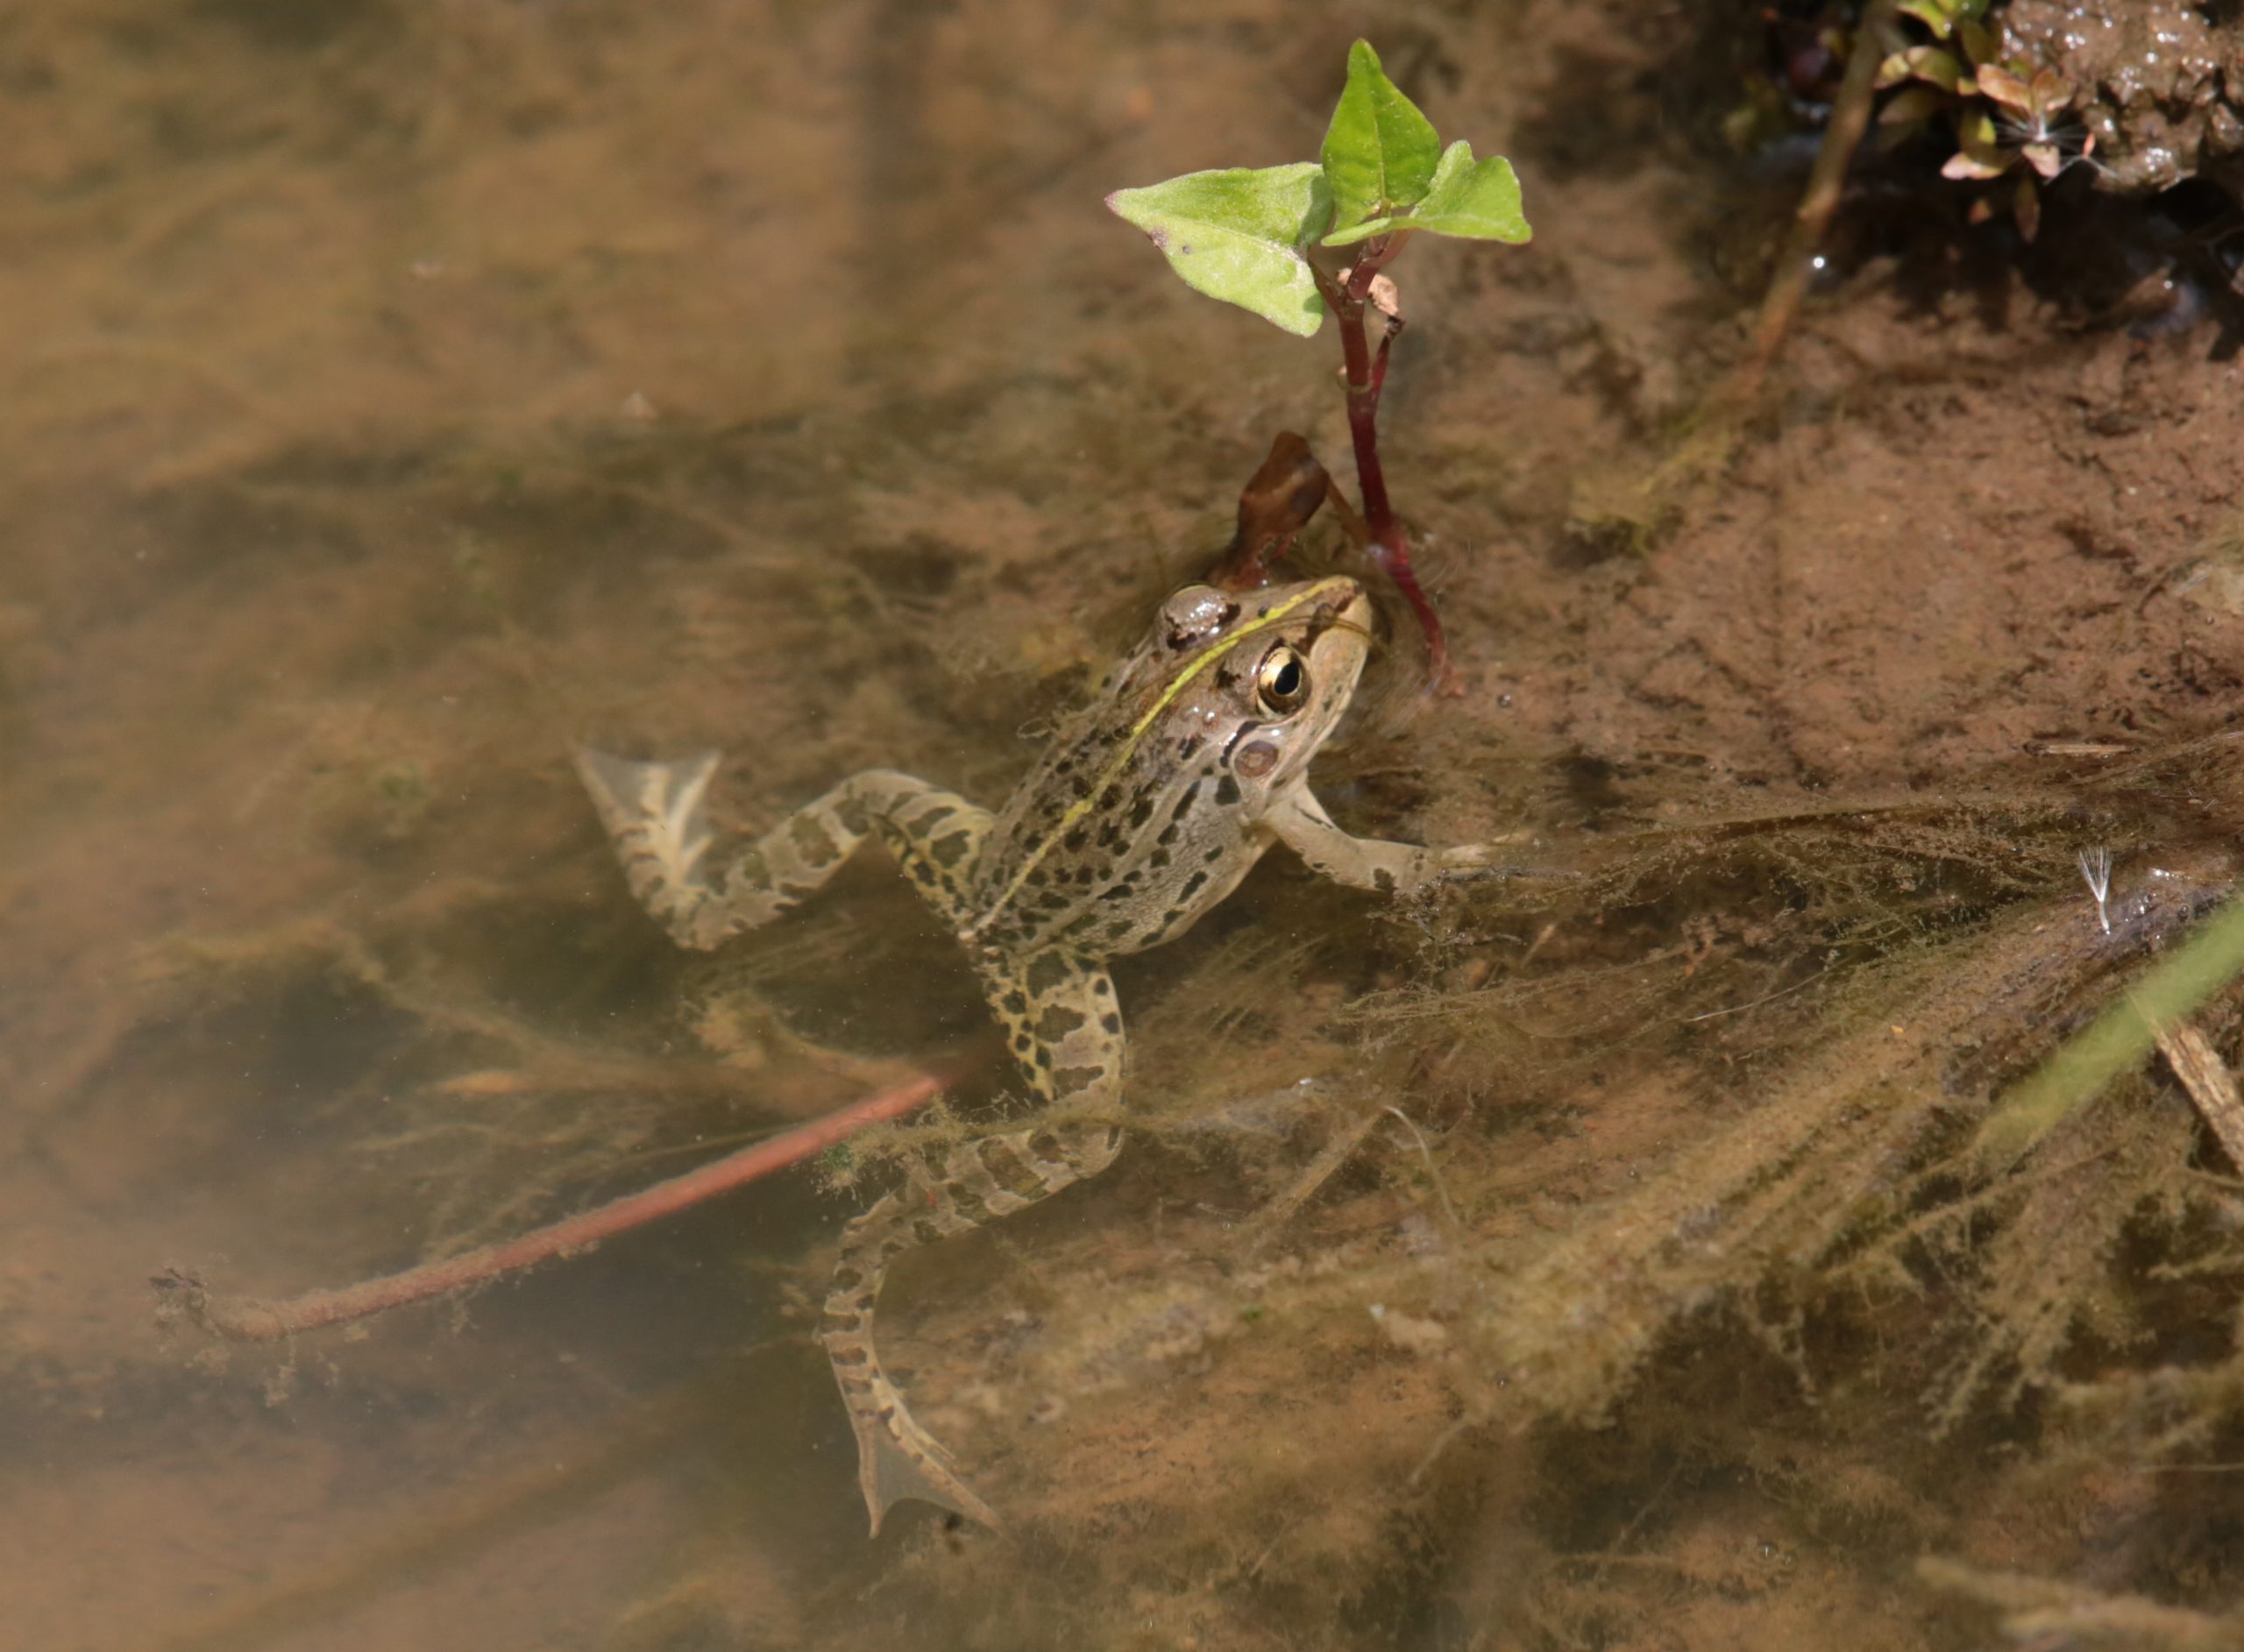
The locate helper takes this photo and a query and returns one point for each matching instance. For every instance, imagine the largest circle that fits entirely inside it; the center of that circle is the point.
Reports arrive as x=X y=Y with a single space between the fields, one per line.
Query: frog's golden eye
x=1282 y=684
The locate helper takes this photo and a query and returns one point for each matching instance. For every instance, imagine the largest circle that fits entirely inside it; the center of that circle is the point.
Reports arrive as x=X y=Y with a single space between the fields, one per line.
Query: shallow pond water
x=400 y=396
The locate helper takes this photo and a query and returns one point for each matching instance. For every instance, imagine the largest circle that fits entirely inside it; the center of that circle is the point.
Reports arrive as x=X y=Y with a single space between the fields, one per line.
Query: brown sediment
x=400 y=399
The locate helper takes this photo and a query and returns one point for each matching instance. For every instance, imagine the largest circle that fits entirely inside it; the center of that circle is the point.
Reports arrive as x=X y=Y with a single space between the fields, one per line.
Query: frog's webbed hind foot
x=653 y=813
x=897 y=1458
x=953 y=1191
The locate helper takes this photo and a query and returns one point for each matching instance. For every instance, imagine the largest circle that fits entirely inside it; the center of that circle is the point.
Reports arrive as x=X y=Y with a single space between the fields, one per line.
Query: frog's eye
x=1282 y=684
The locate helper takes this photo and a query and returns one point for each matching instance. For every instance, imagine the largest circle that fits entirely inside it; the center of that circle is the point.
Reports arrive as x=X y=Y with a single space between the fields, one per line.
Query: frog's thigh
x=1303 y=826
x=1062 y=1025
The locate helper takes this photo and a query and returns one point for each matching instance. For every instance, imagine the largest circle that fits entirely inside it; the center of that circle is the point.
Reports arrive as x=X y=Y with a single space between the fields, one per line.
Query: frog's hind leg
x=654 y=812
x=1064 y=1009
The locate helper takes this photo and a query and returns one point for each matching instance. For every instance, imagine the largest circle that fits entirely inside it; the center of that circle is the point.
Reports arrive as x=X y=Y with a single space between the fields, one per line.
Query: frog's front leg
x=654 y=812
x=1060 y=1014
x=1303 y=826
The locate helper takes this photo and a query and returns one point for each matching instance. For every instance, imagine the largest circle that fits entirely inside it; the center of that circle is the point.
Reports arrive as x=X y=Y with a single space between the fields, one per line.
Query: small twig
x=2211 y=1086
x=1843 y=135
x=255 y=1319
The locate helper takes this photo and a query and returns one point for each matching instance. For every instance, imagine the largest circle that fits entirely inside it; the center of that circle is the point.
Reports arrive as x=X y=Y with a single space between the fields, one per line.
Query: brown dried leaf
x=2052 y=91
x=1964 y=163
x=1998 y=84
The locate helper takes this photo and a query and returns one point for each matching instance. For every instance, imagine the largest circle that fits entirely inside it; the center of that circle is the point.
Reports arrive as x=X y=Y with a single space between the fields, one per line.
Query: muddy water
x=397 y=396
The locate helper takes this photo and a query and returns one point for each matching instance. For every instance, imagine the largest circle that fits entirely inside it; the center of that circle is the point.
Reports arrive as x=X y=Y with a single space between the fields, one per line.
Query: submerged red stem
x=254 y=1319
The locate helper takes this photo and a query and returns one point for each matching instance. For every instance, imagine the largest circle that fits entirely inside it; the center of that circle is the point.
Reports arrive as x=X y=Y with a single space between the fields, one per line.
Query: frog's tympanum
x=1146 y=810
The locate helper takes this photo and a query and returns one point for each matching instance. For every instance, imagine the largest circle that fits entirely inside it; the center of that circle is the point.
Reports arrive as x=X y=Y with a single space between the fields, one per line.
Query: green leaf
x=1978 y=154
x=1936 y=15
x=1474 y=199
x=1237 y=235
x=1981 y=43
x=1917 y=102
x=1379 y=151
x=1930 y=63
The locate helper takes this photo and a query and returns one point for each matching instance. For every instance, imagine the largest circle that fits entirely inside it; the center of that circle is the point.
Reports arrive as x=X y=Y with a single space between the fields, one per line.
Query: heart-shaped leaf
x=1379 y=151
x=1237 y=235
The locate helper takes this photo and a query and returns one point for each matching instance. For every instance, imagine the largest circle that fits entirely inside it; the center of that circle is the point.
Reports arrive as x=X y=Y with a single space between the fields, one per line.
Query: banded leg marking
x=957 y=1189
x=655 y=814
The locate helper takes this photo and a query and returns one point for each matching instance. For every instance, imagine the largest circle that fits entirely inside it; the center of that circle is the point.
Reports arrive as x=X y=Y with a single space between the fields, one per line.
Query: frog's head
x=1263 y=676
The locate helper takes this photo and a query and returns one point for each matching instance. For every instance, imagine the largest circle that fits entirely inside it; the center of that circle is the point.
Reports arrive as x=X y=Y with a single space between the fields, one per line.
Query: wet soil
x=399 y=396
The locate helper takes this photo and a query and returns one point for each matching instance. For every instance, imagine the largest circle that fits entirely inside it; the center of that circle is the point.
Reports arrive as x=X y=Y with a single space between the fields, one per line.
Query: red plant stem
x=253 y=1319
x=1389 y=542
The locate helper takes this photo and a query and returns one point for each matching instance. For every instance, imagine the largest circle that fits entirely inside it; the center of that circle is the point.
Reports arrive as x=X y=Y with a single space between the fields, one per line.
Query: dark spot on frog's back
x=1046 y=971
x=1226 y=792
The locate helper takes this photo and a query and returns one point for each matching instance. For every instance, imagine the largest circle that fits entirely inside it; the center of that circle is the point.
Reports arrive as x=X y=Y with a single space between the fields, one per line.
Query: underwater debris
x=2048 y=1612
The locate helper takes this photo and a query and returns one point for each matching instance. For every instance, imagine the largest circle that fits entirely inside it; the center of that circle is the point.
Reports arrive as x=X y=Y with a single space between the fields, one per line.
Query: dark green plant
x=1291 y=242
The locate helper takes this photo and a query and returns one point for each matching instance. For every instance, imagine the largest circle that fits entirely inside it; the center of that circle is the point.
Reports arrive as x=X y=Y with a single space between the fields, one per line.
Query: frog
x=1145 y=810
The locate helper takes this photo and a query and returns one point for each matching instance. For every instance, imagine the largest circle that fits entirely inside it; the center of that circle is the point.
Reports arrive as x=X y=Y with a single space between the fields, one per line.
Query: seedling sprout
x=1292 y=243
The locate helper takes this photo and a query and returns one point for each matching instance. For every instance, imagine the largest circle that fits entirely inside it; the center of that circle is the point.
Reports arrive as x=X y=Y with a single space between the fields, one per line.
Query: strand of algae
x=1829 y=1151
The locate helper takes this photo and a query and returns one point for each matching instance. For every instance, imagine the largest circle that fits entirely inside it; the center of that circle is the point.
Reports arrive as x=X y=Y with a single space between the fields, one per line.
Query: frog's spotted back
x=1148 y=810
